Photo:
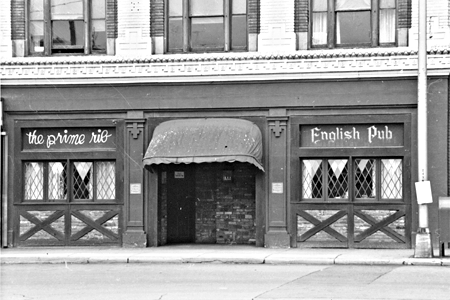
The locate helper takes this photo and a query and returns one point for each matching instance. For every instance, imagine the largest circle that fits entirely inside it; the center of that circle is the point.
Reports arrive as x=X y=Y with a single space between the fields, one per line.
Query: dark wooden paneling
x=212 y=96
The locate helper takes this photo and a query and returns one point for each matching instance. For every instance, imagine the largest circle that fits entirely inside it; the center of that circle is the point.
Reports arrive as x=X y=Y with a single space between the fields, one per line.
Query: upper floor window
x=207 y=25
x=353 y=23
x=67 y=26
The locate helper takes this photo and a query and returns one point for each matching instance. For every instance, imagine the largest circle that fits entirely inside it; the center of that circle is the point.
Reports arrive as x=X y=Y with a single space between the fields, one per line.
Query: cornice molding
x=323 y=64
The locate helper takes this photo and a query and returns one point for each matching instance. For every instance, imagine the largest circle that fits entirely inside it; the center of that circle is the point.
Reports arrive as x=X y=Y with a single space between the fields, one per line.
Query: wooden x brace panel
x=382 y=226
x=322 y=225
x=91 y=225
x=42 y=225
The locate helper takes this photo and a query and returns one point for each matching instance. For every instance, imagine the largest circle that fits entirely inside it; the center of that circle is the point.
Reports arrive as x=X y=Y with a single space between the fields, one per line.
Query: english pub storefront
x=351 y=181
x=68 y=183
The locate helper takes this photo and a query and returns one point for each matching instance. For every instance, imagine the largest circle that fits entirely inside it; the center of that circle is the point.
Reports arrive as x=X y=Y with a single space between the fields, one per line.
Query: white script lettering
x=35 y=139
x=69 y=139
x=101 y=137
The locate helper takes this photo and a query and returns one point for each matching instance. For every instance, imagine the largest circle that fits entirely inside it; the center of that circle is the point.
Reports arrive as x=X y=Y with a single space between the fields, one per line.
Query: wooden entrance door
x=180 y=204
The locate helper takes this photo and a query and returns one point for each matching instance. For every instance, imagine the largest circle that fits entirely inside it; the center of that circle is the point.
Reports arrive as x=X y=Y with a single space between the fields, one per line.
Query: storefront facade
x=331 y=169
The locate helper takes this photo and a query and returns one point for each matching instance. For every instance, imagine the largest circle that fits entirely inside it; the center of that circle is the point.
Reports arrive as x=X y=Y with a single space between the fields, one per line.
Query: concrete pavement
x=233 y=254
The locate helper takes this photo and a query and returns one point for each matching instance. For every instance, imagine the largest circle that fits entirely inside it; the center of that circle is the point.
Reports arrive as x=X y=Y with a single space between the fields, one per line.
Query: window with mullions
x=77 y=181
x=348 y=23
x=67 y=26
x=207 y=25
x=371 y=179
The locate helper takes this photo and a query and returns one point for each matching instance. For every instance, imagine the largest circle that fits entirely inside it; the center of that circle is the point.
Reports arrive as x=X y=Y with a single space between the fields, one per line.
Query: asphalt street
x=222 y=281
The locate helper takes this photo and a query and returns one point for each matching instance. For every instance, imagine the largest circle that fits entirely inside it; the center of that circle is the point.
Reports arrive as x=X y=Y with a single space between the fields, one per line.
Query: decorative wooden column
x=277 y=235
x=134 y=234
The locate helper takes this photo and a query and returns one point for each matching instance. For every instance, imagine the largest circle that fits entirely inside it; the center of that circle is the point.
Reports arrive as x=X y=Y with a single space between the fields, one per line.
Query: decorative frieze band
x=309 y=67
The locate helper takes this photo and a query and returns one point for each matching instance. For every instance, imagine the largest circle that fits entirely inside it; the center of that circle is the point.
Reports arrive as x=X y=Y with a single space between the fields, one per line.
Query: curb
x=220 y=260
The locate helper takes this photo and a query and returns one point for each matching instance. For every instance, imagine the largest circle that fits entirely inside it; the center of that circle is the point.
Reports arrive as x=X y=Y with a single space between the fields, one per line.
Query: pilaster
x=277 y=235
x=134 y=234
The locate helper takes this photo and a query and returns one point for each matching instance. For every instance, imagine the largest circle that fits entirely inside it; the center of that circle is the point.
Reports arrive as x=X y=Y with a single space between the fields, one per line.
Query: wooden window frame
x=88 y=155
x=186 y=29
x=48 y=44
x=298 y=153
x=331 y=27
x=70 y=197
x=352 y=197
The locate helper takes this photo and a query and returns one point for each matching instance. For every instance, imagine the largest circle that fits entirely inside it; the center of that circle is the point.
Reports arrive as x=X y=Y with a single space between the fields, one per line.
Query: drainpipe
x=4 y=182
x=423 y=247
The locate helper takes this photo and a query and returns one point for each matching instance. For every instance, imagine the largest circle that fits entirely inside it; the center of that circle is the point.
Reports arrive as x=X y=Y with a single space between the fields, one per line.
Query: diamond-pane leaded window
x=106 y=180
x=337 y=178
x=370 y=179
x=365 y=178
x=82 y=181
x=57 y=181
x=391 y=179
x=312 y=178
x=34 y=181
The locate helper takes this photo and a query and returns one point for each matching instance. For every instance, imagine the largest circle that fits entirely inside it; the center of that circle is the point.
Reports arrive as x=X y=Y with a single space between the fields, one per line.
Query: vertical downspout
x=423 y=246
x=4 y=182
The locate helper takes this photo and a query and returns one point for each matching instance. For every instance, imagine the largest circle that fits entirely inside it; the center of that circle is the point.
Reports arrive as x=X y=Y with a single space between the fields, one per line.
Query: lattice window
x=106 y=180
x=370 y=179
x=57 y=181
x=391 y=179
x=84 y=181
x=34 y=181
x=312 y=178
x=337 y=178
x=365 y=178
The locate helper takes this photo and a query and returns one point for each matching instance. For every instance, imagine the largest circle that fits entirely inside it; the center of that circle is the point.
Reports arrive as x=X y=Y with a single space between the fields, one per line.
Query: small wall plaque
x=179 y=174
x=135 y=188
x=277 y=188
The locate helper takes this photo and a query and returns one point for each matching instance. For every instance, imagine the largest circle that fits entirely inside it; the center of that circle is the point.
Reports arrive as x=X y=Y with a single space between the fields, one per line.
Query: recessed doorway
x=180 y=203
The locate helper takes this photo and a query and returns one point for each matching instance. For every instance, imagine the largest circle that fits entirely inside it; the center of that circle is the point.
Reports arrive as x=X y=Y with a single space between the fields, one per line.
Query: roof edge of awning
x=205 y=140
x=203 y=159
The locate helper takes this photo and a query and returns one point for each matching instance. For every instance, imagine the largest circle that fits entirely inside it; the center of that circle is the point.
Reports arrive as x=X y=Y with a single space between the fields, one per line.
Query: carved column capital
x=278 y=125
x=135 y=127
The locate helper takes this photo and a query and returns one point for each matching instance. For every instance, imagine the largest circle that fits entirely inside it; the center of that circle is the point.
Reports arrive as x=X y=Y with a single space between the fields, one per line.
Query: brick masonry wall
x=157 y=18
x=253 y=16
x=301 y=22
x=162 y=211
x=404 y=13
x=17 y=19
x=225 y=211
x=111 y=18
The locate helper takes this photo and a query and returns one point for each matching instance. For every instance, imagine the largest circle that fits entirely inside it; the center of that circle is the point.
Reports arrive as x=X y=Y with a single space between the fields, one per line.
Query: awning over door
x=205 y=140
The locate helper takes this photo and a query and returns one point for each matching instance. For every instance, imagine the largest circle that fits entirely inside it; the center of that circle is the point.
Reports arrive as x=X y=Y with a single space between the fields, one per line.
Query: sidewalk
x=217 y=254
